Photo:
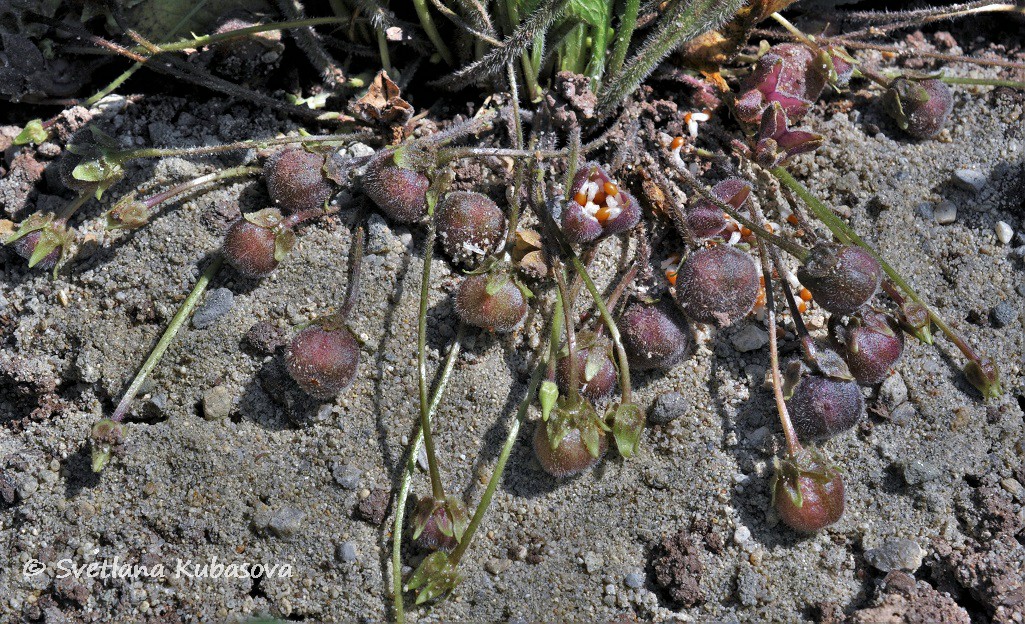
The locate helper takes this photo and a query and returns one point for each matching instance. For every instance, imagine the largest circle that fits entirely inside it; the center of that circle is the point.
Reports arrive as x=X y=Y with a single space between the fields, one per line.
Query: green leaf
x=435 y=577
x=594 y=363
x=34 y=133
x=590 y=435
x=592 y=12
x=627 y=427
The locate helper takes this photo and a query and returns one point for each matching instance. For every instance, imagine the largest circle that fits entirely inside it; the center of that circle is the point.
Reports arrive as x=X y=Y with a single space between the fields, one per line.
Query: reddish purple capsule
x=841 y=278
x=500 y=311
x=822 y=407
x=807 y=492
x=570 y=457
x=296 y=181
x=400 y=193
x=705 y=219
x=717 y=285
x=597 y=207
x=655 y=335
x=323 y=359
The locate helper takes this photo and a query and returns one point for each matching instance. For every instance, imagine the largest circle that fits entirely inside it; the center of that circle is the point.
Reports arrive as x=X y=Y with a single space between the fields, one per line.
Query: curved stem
x=73 y=207
x=988 y=82
x=627 y=24
x=352 y=289
x=790 y=247
x=161 y=152
x=165 y=340
x=437 y=487
x=610 y=324
x=845 y=234
x=427 y=22
x=184 y=187
x=407 y=476
x=510 y=440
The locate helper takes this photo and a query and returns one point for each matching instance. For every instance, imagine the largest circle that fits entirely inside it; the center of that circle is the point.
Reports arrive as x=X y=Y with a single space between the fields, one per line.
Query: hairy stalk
x=309 y=42
x=165 y=340
x=526 y=62
x=161 y=152
x=427 y=22
x=846 y=234
x=70 y=210
x=407 y=475
x=459 y=22
x=510 y=439
x=513 y=46
x=681 y=22
x=453 y=153
x=987 y=82
x=352 y=288
x=627 y=24
x=190 y=185
x=519 y=170
x=790 y=247
x=571 y=335
x=437 y=488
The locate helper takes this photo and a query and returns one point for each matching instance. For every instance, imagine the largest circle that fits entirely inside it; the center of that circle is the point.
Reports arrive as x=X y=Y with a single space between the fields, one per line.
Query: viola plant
x=561 y=257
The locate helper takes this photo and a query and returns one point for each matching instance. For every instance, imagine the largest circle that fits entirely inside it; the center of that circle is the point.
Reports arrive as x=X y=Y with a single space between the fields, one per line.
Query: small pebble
x=1004 y=232
x=751 y=338
x=945 y=212
x=1003 y=314
x=497 y=566
x=894 y=391
x=346 y=476
x=216 y=403
x=634 y=580
x=741 y=535
x=286 y=522
x=667 y=408
x=346 y=552
x=218 y=303
x=896 y=554
x=970 y=180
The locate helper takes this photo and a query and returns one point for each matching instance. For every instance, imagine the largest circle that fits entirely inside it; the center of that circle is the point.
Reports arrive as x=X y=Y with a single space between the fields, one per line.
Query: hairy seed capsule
x=469 y=225
x=920 y=107
x=401 y=194
x=601 y=384
x=323 y=361
x=250 y=249
x=841 y=278
x=500 y=312
x=717 y=285
x=296 y=181
x=705 y=219
x=655 y=335
x=26 y=246
x=822 y=407
x=571 y=457
x=808 y=498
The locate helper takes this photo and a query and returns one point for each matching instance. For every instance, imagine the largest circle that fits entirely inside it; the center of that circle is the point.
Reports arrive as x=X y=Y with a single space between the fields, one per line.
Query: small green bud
x=548 y=394
x=104 y=437
x=985 y=376
x=34 y=133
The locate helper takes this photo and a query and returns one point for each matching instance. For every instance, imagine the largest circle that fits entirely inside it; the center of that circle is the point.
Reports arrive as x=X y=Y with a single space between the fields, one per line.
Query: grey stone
x=27 y=487
x=497 y=566
x=1003 y=314
x=346 y=552
x=904 y=414
x=286 y=522
x=346 y=476
x=592 y=562
x=894 y=391
x=945 y=212
x=751 y=338
x=216 y=403
x=668 y=407
x=970 y=180
x=896 y=554
x=751 y=586
x=218 y=303
x=917 y=472
x=634 y=580
x=1004 y=232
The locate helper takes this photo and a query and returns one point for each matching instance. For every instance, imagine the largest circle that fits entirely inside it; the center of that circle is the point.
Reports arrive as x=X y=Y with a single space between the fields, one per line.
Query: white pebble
x=1004 y=232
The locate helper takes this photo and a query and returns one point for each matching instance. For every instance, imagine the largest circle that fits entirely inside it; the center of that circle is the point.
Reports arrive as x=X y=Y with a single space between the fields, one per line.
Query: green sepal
x=34 y=133
x=548 y=394
x=266 y=218
x=496 y=282
x=985 y=376
x=627 y=427
x=436 y=576
x=128 y=213
x=284 y=241
x=594 y=363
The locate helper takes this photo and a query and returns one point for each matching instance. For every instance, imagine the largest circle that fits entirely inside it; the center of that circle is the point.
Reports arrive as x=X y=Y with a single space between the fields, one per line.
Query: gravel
x=667 y=408
x=945 y=212
x=218 y=303
x=1003 y=314
x=970 y=180
x=217 y=403
x=896 y=554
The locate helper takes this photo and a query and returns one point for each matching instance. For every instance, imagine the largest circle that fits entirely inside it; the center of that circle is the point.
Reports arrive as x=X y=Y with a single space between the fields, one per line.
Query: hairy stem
x=165 y=340
x=510 y=440
x=437 y=488
x=407 y=476
x=845 y=234
x=627 y=24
